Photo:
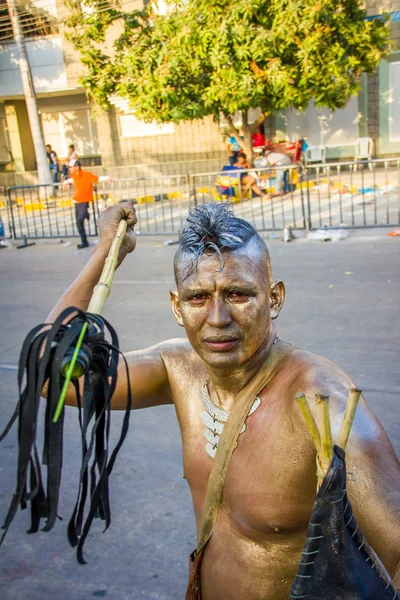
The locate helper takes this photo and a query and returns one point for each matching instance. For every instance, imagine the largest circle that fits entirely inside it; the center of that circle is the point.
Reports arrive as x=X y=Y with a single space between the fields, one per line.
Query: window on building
x=394 y=101
x=70 y=127
x=36 y=20
x=131 y=127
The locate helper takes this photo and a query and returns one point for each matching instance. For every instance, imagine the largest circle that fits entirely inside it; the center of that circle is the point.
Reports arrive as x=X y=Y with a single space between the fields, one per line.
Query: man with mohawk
x=252 y=532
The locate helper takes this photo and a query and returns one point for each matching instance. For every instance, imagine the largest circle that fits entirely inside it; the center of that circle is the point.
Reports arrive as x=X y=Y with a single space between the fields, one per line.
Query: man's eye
x=198 y=298
x=236 y=294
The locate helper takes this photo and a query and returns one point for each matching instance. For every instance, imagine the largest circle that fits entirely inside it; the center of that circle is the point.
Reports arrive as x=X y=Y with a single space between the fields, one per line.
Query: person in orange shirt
x=83 y=194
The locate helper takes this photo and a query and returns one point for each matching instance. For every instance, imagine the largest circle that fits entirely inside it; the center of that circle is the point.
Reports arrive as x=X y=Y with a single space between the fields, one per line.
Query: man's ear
x=276 y=298
x=176 y=309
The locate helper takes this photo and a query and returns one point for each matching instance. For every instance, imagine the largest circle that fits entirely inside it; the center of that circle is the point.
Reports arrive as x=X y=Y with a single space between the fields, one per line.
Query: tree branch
x=248 y=143
x=254 y=126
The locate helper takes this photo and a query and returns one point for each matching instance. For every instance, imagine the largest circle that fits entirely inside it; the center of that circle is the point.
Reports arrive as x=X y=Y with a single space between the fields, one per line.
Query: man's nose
x=219 y=313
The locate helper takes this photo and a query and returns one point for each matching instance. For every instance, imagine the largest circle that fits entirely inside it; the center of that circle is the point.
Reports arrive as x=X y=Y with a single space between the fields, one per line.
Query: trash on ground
x=327 y=235
x=367 y=190
x=288 y=234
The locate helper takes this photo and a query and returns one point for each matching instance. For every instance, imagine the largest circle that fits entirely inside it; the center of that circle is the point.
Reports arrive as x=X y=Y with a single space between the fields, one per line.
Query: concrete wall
x=66 y=120
x=196 y=140
x=19 y=135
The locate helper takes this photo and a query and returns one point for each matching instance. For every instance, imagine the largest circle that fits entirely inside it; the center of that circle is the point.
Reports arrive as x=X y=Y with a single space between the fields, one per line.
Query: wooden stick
x=348 y=419
x=326 y=435
x=309 y=419
x=102 y=289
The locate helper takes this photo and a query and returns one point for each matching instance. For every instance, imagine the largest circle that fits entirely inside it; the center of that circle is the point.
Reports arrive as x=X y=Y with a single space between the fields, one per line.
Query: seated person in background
x=276 y=159
x=247 y=180
x=233 y=154
x=259 y=161
x=70 y=162
x=234 y=149
x=54 y=162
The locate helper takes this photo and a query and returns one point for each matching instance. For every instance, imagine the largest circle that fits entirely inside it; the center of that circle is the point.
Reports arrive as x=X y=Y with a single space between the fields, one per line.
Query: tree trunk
x=248 y=130
x=30 y=97
x=254 y=126
x=248 y=142
x=247 y=149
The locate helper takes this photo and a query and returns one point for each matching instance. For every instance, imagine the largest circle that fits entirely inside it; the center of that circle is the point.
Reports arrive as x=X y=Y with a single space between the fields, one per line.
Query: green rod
x=61 y=401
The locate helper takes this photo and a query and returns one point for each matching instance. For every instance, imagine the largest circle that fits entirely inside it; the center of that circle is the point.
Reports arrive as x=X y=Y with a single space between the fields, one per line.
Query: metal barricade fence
x=45 y=211
x=48 y=211
x=4 y=216
x=338 y=195
x=162 y=203
x=346 y=195
x=352 y=195
x=255 y=196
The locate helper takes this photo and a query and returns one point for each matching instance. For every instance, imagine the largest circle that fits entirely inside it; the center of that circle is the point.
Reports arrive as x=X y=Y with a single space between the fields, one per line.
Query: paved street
x=342 y=302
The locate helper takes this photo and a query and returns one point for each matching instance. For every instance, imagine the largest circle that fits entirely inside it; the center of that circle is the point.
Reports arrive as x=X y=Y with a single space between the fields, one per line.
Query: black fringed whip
x=55 y=355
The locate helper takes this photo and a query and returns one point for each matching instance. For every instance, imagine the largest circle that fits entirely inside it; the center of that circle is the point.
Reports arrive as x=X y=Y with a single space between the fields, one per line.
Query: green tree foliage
x=217 y=57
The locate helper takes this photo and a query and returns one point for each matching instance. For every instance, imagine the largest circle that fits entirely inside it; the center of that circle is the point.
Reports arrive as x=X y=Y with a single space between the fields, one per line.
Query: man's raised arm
x=148 y=374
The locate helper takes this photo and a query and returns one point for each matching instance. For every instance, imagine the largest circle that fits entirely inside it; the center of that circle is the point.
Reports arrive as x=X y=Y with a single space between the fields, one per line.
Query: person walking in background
x=54 y=162
x=83 y=194
x=70 y=161
x=276 y=159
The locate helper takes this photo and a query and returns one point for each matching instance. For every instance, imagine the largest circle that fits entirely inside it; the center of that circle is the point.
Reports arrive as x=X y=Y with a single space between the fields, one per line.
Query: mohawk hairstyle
x=213 y=227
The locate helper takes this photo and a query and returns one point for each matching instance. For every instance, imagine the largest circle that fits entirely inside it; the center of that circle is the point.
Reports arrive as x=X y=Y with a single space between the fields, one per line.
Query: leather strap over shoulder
x=229 y=436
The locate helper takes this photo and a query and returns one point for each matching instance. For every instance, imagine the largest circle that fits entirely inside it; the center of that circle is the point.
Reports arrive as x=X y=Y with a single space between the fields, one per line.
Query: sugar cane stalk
x=323 y=442
x=326 y=434
x=347 y=423
x=309 y=419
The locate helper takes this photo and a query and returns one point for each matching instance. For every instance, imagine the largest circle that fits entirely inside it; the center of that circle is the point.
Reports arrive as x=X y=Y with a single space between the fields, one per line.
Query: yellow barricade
x=31 y=206
x=175 y=195
x=144 y=199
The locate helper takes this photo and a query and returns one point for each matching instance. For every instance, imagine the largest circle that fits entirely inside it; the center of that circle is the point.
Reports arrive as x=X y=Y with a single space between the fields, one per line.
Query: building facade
x=116 y=141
